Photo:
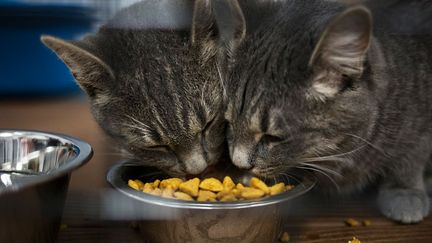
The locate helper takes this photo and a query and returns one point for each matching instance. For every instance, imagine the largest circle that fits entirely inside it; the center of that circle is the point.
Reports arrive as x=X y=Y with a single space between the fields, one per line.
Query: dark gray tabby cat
x=152 y=79
x=315 y=87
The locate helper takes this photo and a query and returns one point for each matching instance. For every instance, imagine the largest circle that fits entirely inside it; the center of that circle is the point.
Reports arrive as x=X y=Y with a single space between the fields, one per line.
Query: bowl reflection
x=35 y=168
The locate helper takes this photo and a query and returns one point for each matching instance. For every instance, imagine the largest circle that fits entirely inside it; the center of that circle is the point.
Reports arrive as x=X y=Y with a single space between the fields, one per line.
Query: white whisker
x=368 y=143
x=323 y=169
x=321 y=172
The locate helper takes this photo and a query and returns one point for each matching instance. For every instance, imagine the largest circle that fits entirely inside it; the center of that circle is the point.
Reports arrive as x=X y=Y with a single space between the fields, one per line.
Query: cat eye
x=207 y=126
x=161 y=148
x=271 y=139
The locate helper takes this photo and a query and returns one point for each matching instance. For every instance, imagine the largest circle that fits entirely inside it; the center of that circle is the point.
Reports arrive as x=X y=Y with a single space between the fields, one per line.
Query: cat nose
x=195 y=167
x=240 y=157
x=194 y=163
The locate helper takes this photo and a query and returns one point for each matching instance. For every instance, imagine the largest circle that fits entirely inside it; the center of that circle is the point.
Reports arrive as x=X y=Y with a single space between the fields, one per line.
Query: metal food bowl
x=35 y=169
x=170 y=220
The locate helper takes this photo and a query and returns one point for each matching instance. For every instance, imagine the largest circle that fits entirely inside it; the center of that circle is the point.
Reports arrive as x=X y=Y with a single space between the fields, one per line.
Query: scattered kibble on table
x=285 y=237
x=209 y=189
x=354 y=240
x=352 y=222
x=367 y=222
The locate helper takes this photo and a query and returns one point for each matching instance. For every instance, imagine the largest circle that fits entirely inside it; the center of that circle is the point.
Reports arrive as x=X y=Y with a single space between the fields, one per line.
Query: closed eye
x=271 y=139
x=161 y=148
x=208 y=125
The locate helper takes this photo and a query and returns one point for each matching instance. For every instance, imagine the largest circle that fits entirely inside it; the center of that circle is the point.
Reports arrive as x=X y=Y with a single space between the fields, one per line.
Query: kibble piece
x=222 y=193
x=367 y=222
x=284 y=237
x=133 y=184
x=236 y=192
x=228 y=183
x=140 y=184
x=277 y=189
x=156 y=183
x=190 y=187
x=352 y=222
x=206 y=196
x=259 y=184
x=173 y=182
x=168 y=192
x=240 y=186
x=148 y=187
x=354 y=240
x=211 y=184
x=156 y=192
x=289 y=187
x=228 y=198
x=251 y=193
x=183 y=196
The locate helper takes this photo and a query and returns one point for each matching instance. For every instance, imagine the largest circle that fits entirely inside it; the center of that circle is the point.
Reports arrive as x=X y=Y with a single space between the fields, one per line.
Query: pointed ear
x=344 y=44
x=341 y=51
x=217 y=23
x=90 y=72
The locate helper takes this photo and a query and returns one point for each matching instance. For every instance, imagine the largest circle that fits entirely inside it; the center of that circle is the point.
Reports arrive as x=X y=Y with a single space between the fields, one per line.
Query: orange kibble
x=228 y=183
x=251 y=193
x=240 y=186
x=183 y=196
x=190 y=187
x=133 y=184
x=228 y=198
x=211 y=184
x=156 y=192
x=148 y=187
x=206 y=196
x=289 y=187
x=156 y=183
x=259 y=184
x=277 y=189
x=173 y=182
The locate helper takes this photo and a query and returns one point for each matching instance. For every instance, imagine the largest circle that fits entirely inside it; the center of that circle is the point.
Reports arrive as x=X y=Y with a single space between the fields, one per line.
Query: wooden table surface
x=309 y=219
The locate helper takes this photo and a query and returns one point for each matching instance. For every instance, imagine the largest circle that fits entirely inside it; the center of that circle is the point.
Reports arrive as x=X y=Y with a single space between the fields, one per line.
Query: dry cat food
x=209 y=190
x=354 y=240
x=354 y=223
x=285 y=237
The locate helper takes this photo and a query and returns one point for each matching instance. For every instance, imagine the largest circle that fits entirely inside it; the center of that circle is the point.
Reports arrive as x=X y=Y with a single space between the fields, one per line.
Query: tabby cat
x=152 y=79
x=321 y=87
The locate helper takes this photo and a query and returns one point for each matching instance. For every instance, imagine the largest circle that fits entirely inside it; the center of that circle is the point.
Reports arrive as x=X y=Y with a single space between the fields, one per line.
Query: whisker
x=323 y=169
x=332 y=157
x=323 y=173
x=368 y=143
x=289 y=176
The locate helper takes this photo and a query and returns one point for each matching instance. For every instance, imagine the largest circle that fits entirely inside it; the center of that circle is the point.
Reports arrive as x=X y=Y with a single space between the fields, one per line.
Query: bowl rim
x=85 y=153
x=114 y=178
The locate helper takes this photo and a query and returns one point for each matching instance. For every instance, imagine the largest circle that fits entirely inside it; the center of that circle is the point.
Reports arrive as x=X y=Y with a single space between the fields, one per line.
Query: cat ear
x=218 y=23
x=90 y=72
x=342 y=50
x=345 y=42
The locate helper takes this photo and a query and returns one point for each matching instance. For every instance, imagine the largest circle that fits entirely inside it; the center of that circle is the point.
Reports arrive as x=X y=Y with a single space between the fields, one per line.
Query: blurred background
x=28 y=68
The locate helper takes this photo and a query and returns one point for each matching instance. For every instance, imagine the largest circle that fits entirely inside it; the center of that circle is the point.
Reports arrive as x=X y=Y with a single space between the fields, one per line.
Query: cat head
x=300 y=90
x=154 y=86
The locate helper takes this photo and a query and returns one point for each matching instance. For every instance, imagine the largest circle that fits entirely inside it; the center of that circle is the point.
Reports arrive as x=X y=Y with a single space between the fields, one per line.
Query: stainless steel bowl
x=169 y=220
x=35 y=169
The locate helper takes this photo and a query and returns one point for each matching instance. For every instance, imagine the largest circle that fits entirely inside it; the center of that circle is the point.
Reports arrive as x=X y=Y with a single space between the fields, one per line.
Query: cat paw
x=404 y=205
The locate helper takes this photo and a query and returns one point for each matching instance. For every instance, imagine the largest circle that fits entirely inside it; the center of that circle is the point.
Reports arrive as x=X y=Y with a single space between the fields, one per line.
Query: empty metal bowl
x=35 y=169
x=170 y=220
